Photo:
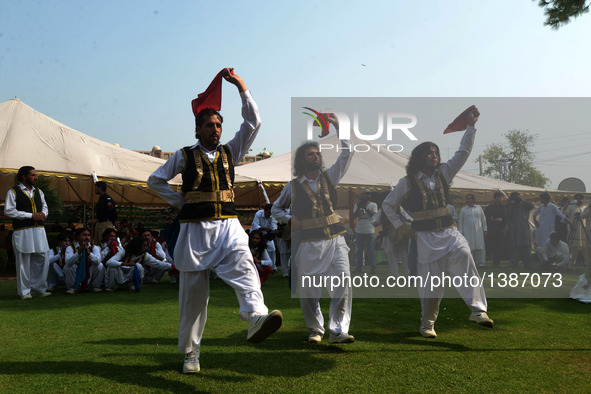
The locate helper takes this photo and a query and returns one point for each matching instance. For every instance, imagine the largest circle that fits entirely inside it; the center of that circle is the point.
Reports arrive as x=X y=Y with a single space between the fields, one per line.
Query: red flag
x=461 y=122
x=212 y=97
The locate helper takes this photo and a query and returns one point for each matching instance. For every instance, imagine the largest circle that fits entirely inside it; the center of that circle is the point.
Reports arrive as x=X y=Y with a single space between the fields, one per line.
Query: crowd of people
x=301 y=232
x=510 y=230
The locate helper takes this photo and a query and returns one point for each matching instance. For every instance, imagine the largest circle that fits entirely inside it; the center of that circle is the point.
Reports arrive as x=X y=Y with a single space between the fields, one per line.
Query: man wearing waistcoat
x=424 y=194
x=26 y=205
x=321 y=249
x=210 y=235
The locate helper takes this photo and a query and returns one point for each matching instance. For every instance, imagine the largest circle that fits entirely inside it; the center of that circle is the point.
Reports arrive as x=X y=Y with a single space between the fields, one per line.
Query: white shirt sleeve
x=160 y=252
x=95 y=255
x=256 y=221
x=158 y=181
x=280 y=210
x=393 y=201
x=340 y=167
x=265 y=259
x=453 y=165
x=115 y=261
x=249 y=128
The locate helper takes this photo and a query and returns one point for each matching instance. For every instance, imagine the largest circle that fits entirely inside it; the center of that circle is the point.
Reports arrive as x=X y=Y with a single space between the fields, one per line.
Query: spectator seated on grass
x=83 y=270
x=126 y=267
x=261 y=258
x=154 y=271
x=57 y=261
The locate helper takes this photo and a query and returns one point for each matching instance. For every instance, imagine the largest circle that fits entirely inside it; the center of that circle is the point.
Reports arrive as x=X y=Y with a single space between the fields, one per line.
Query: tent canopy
x=377 y=169
x=69 y=157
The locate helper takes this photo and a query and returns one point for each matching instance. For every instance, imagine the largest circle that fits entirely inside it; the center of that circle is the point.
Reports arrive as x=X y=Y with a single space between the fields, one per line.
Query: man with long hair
x=424 y=194
x=321 y=247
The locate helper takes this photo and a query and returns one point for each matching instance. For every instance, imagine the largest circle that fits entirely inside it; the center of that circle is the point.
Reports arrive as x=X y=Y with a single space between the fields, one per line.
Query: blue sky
x=126 y=71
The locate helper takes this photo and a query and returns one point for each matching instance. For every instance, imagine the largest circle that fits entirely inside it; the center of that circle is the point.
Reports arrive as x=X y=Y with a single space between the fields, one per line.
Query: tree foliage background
x=513 y=161
x=559 y=12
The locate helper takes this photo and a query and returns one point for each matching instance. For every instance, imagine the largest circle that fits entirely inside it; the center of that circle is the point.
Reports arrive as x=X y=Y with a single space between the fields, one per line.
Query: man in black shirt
x=106 y=211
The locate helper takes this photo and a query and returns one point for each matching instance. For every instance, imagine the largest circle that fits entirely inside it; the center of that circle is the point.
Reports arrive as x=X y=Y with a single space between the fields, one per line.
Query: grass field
x=126 y=342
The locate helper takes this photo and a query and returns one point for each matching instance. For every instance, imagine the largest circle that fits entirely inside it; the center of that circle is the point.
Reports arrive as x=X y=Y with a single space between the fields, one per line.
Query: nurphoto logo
x=391 y=123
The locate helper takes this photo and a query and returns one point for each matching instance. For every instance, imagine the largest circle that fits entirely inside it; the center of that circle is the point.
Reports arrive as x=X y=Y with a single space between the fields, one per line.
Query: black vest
x=325 y=201
x=421 y=198
x=32 y=205
x=214 y=178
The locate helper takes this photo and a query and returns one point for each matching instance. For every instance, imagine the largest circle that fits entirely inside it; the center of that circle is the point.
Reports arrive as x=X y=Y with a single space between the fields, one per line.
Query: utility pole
x=480 y=164
x=504 y=166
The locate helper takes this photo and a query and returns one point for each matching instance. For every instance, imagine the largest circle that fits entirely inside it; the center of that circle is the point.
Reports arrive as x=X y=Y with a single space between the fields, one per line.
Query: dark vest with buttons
x=26 y=204
x=421 y=198
x=324 y=200
x=214 y=178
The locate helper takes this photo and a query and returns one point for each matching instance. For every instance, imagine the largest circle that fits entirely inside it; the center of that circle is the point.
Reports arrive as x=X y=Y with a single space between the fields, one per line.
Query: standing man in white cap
x=210 y=235
x=26 y=205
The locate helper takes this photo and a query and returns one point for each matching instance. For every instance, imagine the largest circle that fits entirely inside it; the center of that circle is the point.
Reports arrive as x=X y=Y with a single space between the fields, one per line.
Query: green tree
x=512 y=162
x=559 y=12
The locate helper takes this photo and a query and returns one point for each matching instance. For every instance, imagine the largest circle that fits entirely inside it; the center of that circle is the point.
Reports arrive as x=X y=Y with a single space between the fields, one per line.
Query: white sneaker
x=261 y=326
x=428 y=333
x=70 y=291
x=343 y=337
x=191 y=364
x=315 y=338
x=482 y=319
x=96 y=290
x=26 y=297
x=44 y=294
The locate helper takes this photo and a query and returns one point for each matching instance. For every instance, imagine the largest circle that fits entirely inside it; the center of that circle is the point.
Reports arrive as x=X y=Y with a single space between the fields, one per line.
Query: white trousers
x=97 y=275
x=285 y=263
x=237 y=270
x=55 y=276
x=272 y=255
x=284 y=255
x=121 y=275
x=155 y=273
x=479 y=256
x=339 y=314
x=457 y=263
x=31 y=272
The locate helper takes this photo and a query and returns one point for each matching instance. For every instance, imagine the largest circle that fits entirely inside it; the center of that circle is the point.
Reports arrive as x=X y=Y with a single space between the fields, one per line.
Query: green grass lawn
x=126 y=342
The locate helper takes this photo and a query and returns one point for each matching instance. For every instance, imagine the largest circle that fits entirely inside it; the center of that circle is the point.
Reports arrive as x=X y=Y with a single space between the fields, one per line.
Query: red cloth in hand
x=264 y=272
x=212 y=97
x=461 y=122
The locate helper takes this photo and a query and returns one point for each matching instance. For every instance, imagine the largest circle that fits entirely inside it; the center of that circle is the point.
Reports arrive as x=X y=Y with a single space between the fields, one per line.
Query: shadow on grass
x=234 y=355
x=137 y=375
x=237 y=367
x=284 y=341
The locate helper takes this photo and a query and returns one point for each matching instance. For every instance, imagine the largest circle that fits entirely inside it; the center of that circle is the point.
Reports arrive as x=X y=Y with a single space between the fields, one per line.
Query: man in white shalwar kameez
x=317 y=235
x=472 y=225
x=26 y=205
x=211 y=236
x=440 y=246
x=545 y=219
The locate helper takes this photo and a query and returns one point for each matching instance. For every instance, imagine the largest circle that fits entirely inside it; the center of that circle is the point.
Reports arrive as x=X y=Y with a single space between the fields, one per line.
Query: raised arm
x=240 y=144
x=451 y=168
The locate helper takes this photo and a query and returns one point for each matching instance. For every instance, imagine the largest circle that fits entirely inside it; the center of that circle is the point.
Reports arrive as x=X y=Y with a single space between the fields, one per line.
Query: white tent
x=377 y=170
x=69 y=157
